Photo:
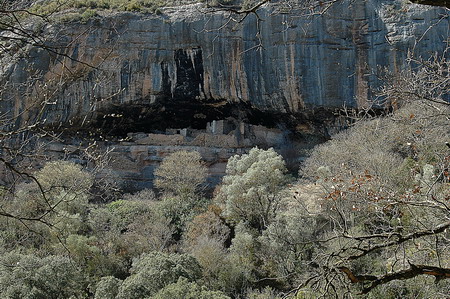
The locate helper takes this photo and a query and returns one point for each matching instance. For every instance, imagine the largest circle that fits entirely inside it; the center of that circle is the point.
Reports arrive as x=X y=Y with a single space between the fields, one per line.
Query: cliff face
x=223 y=86
x=186 y=67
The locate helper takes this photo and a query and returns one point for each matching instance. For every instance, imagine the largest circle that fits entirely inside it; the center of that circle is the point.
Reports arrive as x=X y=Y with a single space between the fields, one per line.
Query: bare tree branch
x=413 y=271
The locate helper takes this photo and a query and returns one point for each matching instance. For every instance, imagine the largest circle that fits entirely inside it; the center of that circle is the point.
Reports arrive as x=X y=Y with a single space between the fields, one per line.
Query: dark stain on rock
x=166 y=82
x=125 y=75
x=189 y=73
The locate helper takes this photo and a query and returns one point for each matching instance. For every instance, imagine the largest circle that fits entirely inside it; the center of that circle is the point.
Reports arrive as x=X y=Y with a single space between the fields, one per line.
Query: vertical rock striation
x=186 y=61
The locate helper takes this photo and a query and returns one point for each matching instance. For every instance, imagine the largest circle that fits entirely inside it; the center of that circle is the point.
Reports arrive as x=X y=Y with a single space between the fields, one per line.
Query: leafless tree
x=386 y=190
x=24 y=135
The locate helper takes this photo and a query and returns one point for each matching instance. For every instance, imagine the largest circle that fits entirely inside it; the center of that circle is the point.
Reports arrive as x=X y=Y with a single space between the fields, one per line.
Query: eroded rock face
x=282 y=75
x=131 y=161
x=185 y=67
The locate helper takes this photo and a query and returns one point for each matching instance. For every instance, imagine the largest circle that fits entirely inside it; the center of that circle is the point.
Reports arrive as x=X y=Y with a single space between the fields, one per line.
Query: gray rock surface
x=188 y=62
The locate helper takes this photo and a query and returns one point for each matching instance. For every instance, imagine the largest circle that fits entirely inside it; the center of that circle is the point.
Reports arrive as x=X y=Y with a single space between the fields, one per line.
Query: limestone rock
x=152 y=70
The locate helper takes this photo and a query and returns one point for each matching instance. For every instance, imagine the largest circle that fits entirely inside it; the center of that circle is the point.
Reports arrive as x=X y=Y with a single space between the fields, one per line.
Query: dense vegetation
x=89 y=7
x=370 y=203
x=82 y=10
x=367 y=217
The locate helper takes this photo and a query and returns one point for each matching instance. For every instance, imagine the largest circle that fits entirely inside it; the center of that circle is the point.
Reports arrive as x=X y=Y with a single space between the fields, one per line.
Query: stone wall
x=132 y=161
x=132 y=165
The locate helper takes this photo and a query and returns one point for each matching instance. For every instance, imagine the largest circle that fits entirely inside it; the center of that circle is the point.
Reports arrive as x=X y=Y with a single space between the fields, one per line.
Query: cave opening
x=120 y=120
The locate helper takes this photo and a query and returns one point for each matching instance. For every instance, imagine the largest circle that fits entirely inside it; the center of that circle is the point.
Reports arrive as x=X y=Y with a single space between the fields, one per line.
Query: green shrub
x=253 y=187
x=51 y=7
x=125 y=212
x=182 y=173
x=183 y=289
x=107 y=288
x=52 y=277
x=88 y=14
x=54 y=206
x=154 y=271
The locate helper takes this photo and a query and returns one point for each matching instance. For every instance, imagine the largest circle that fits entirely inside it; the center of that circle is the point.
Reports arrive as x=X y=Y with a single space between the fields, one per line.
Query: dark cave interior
x=156 y=118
